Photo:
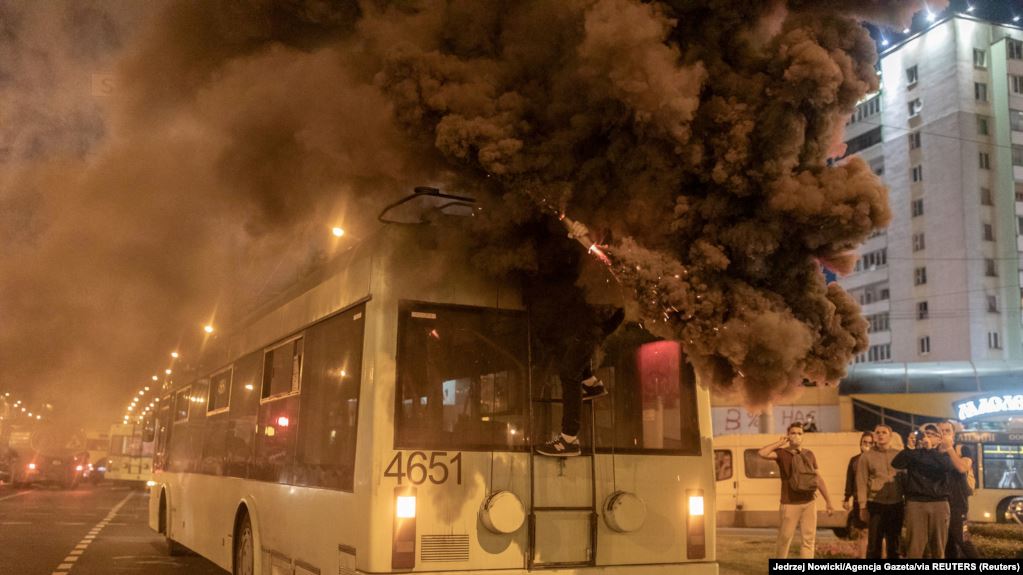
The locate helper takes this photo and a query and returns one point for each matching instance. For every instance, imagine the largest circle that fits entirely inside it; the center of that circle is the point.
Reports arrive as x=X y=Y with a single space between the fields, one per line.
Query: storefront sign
x=989 y=405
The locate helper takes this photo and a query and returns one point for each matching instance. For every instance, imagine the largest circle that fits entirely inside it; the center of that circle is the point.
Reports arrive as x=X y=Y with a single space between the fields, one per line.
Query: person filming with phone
x=800 y=482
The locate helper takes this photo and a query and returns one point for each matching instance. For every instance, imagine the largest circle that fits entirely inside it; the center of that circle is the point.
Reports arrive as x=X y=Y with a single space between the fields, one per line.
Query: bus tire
x=1002 y=509
x=174 y=549
x=244 y=560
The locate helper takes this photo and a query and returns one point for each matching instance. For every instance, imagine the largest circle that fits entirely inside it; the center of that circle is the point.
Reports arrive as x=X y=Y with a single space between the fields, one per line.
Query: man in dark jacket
x=958 y=546
x=928 y=473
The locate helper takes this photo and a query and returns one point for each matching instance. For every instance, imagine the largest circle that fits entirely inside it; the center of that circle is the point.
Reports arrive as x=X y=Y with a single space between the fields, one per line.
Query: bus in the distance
x=130 y=457
x=998 y=469
x=383 y=420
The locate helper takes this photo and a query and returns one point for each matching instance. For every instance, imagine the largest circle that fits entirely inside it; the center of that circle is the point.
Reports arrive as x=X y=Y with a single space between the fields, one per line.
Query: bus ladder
x=592 y=508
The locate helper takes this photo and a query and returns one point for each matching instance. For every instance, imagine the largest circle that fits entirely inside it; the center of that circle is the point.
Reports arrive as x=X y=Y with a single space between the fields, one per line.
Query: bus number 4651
x=417 y=468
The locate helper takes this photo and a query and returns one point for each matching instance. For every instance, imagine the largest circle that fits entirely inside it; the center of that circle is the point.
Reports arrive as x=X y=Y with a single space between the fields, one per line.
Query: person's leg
x=938 y=519
x=894 y=519
x=808 y=529
x=876 y=529
x=916 y=529
x=954 y=541
x=574 y=366
x=788 y=516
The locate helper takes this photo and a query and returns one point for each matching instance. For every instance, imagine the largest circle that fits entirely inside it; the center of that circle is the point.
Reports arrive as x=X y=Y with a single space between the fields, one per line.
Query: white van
x=749 y=487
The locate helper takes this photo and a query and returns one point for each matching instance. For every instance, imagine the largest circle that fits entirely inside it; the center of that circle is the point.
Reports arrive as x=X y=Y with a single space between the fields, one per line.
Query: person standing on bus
x=880 y=495
x=800 y=482
x=928 y=471
x=957 y=546
x=851 y=502
x=578 y=384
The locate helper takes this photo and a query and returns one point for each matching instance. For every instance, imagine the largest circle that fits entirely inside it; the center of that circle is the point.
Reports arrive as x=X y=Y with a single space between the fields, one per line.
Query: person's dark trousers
x=958 y=547
x=884 y=524
x=574 y=368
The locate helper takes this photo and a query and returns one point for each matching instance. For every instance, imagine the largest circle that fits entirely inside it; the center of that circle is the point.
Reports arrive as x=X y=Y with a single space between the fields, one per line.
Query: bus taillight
x=403 y=544
x=696 y=539
x=31 y=466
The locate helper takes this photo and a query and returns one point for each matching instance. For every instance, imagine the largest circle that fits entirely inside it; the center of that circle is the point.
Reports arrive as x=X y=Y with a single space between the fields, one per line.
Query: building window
x=982 y=127
x=925 y=345
x=1016 y=120
x=918 y=242
x=1019 y=225
x=882 y=352
x=911 y=76
x=985 y=161
x=985 y=197
x=992 y=303
x=979 y=58
x=914 y=140
x=914 y=107
x=921 y=310
x=873 y=260
x=989 y=268
x=989 y=233
x=917 y=207
x=1016 y=84
x=918 y=173
x=1014 y=49
x=1017 y=155
x=980 y=91
x=993 y=340
x=878 y=322
x=863 y=141
x=920 y=276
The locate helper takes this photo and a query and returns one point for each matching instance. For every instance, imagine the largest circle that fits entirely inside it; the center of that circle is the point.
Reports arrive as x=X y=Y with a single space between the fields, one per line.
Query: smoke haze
x=167 y=164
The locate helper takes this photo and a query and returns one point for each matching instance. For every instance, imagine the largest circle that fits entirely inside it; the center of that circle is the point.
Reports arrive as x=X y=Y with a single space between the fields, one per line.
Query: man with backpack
x=799 y=483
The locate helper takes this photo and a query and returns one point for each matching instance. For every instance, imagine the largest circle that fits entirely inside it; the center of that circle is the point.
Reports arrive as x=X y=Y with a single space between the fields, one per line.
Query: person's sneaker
x=593 y=388
x=559 y=448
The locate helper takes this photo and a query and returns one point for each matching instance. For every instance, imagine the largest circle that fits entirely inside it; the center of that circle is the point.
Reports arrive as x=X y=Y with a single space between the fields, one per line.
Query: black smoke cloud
x=690 y=137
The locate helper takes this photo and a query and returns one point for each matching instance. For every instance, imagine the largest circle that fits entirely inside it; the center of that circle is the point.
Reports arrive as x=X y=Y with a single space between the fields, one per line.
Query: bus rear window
x=461 y=378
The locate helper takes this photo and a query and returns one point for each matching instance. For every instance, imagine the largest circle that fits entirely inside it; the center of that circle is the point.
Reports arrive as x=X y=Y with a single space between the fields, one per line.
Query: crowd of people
x=921 y=490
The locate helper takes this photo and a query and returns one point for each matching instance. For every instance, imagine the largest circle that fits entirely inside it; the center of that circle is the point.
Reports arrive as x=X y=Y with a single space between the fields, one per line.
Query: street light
x=337 y=231
x=208 y=328
x=174 y=354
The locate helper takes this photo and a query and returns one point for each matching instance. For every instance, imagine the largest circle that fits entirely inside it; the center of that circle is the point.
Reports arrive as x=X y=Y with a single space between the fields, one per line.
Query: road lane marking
x=80 y=548
x=13 y=496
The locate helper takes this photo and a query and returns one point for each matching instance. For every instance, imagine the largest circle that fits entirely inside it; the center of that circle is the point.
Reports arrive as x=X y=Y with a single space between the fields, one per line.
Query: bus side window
x=757 y=467
x=722 y=464
x=239 y=431
x=330 y=401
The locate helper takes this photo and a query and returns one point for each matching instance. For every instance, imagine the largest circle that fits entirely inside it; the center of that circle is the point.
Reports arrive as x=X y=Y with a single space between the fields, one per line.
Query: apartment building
x=945 y=132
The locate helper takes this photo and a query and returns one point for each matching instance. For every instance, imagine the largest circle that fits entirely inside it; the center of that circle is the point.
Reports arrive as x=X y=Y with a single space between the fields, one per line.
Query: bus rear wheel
x=174 y=549
x=244 y=548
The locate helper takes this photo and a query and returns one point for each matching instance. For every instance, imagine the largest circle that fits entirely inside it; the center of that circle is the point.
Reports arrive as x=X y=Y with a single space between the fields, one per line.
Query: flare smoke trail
x=690 y=137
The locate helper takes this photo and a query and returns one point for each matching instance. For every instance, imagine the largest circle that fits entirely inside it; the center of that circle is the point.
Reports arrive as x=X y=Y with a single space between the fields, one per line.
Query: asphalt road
x=91 y=530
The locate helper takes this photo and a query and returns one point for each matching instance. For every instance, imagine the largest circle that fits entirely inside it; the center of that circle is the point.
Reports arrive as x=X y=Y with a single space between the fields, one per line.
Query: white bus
x=998 y=469
x=382 y=421
x=130 y=457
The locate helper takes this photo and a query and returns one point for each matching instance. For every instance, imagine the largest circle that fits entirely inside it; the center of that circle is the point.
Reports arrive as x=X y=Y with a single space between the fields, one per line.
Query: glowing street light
x=337 y=231
x=174 y=354
x=167 y=371
x=208 y=328
x=156 y=378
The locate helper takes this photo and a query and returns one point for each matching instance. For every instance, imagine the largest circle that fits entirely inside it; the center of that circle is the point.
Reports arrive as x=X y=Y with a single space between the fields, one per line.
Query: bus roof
x=951 y=376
